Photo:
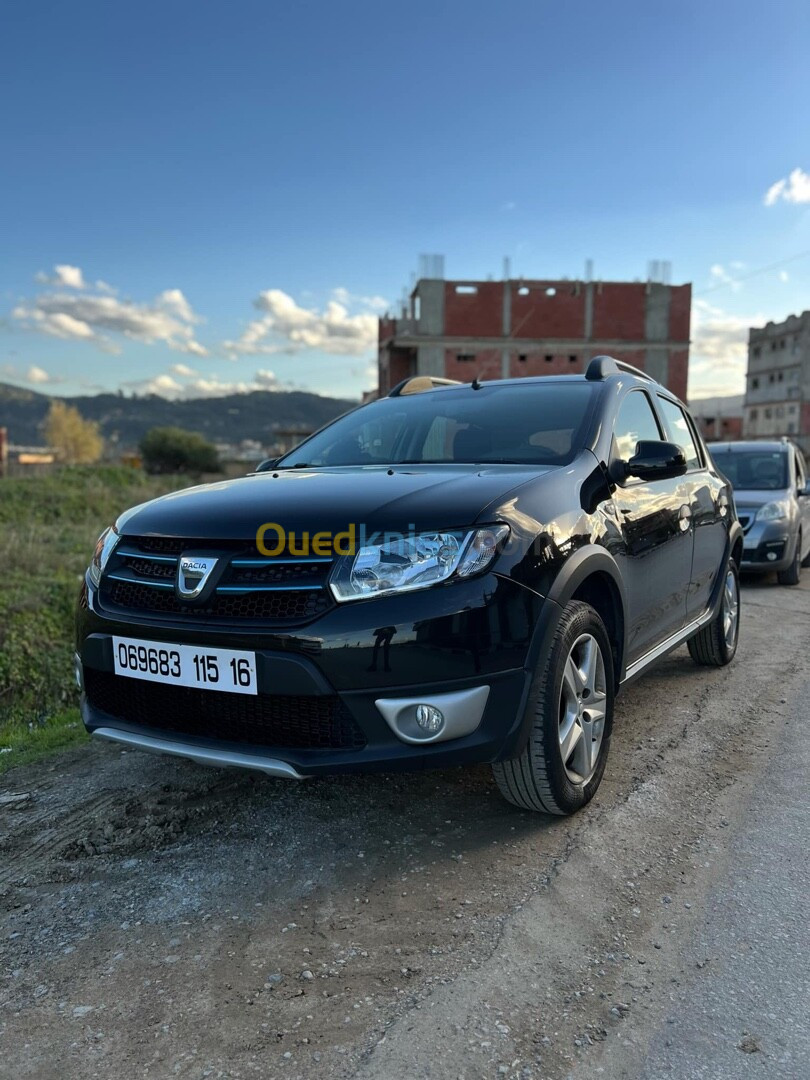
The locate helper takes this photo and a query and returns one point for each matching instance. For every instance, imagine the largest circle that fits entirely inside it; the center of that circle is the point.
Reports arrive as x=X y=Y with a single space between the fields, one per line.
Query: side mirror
x=266 y=465
x=656 y=461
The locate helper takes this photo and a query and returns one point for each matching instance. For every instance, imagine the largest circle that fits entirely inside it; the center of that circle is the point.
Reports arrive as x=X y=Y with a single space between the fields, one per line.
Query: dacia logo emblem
x=193 y=573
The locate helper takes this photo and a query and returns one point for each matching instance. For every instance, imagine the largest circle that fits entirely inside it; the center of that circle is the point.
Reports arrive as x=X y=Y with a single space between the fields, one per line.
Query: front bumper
x=469 y=640
x=768 y=546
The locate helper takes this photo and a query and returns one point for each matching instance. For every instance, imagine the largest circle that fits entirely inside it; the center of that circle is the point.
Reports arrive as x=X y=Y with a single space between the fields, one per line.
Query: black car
x=463 y=574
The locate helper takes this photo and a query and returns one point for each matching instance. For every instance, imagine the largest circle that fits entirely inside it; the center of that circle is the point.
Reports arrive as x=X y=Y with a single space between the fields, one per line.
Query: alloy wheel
x=731 y=609
x=583 y=703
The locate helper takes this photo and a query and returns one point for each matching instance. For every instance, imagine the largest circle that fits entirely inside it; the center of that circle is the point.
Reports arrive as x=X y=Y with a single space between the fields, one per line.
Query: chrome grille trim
x=243 y=575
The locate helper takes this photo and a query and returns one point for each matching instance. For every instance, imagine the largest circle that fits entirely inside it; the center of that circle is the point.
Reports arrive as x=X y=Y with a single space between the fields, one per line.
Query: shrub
x=173 y=450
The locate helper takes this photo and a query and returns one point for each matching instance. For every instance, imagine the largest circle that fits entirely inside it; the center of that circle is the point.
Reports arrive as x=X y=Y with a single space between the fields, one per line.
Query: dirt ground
x=162 y=920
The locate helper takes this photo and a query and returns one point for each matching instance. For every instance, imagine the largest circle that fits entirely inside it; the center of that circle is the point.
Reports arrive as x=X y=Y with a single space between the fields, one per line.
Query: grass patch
x=48 y=526
x=20 y=745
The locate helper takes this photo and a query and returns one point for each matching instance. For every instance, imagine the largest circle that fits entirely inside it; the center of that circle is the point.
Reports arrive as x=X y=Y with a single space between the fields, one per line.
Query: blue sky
x=233 y=191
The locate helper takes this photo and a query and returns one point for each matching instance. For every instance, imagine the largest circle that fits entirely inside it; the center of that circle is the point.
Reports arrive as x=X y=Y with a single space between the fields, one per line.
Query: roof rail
x=600 y=367
x=418 y=384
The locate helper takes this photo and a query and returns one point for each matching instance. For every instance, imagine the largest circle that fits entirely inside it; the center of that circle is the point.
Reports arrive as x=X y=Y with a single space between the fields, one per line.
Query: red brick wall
x=478 y=314
x=536 y=315
x=487 y=365
x=400 y=366
x=618 y=311
x=805 y=426
x=537 y=364
x=678 y=372
x=386 y=329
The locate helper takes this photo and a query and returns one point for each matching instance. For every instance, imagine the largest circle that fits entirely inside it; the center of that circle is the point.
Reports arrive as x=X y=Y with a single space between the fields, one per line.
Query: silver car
x=773 y=504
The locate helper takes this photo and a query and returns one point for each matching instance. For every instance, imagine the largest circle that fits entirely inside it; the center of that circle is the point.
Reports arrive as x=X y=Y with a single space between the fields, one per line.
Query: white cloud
x=167 y=386
x=719 y=350
x=284 y=327
x=794 y=188
x=64 y=276
x=721 y=276
x=173 y=301
x=37 y=375
x=92 y=317
x=376 y=303
x=183 y=370
x=784 y=275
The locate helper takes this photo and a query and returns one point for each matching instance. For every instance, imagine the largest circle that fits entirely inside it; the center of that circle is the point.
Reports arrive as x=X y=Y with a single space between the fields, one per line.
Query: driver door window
x=635 y=423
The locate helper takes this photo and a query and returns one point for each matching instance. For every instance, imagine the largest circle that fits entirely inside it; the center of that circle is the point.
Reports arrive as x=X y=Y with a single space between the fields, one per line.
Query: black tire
x=538 y=779
x=793 y=574
x=710 y=647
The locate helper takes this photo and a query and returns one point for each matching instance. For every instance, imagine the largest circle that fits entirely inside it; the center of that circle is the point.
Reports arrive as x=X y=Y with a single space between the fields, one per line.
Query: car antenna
x=476 y=385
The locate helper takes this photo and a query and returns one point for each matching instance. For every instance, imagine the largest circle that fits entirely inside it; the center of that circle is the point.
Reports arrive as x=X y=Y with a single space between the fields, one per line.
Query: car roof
x=771 y=446
x=537 y=380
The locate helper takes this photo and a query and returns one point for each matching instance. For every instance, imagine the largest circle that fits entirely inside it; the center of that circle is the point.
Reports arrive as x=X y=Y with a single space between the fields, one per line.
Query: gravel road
x=162 y=920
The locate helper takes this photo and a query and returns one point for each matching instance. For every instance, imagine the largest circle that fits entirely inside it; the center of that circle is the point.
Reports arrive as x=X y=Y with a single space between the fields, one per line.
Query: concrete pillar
x=507 y=327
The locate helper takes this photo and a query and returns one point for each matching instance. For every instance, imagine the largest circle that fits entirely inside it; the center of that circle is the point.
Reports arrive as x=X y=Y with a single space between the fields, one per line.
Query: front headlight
x=772 y=511
x=415 y=561
x=104 y=548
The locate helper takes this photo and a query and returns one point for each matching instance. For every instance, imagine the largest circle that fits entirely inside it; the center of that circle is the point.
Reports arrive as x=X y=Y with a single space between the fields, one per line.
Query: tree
x=76 y=441
x=173 y=450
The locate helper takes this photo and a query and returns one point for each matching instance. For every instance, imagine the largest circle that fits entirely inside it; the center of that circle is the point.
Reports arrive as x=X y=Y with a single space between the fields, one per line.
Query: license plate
x=186 y=665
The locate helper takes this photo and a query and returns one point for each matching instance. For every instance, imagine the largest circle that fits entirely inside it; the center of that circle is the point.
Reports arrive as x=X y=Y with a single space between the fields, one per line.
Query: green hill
x=124 y=420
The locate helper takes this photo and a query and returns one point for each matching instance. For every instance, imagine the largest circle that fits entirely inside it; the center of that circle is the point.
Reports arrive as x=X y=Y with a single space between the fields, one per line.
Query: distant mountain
x=124 y=420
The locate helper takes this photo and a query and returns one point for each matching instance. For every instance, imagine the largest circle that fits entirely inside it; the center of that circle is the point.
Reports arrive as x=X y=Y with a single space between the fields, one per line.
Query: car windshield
x=507 y=424
x=753 y=470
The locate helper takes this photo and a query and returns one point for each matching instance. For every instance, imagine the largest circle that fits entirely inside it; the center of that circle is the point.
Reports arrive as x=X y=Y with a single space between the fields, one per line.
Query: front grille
x=746 y=520
x=258 y=606
x=283 y=722
x=141 y=573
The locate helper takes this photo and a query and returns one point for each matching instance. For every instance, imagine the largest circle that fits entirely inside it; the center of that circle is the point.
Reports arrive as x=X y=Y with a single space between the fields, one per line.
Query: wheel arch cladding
x=591 y=575
x=601 y=591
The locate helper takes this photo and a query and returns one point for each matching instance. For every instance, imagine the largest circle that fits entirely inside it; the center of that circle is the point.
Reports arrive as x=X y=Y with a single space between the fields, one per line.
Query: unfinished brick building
x=498 y=329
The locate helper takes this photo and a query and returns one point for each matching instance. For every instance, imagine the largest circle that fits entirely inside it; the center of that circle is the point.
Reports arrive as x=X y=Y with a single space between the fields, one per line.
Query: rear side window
x=801 y=476
x=635 y=423
x=680 y=432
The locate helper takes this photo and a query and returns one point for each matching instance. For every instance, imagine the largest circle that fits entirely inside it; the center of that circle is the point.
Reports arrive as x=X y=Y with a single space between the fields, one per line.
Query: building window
x=755 y=384
x=465 y=357
x=523 y=358
x=549 y=358
x=782 y=343
x=770 y=378
x=773 y=343
x=757 y=351
x=767 y=414
x=467 y=290
x=753 y=414
x=572 y=359
x=780 y=412
x=791 y=428
x=779 y=377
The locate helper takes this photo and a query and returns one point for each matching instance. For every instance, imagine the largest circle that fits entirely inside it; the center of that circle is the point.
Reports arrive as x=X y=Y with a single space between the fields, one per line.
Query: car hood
x=328 y=500
x=756 y=497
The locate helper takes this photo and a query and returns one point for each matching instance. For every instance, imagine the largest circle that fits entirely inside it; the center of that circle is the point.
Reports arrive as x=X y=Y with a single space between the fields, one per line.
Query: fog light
x=430 y=719
x=771 y=556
